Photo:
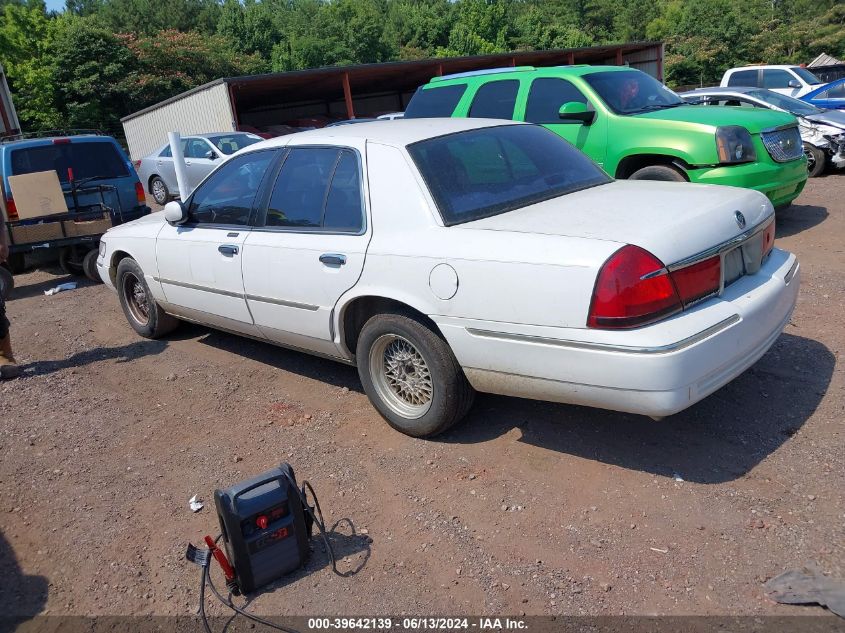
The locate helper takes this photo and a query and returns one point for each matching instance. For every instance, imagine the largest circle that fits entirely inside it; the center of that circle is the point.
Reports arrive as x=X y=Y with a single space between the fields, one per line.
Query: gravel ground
x=526 y=507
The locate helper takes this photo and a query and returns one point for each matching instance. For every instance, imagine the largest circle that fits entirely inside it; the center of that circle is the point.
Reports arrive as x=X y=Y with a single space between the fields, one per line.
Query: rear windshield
x=434 y=102
x=231 y=143
x=484 y=172
x=87 y=160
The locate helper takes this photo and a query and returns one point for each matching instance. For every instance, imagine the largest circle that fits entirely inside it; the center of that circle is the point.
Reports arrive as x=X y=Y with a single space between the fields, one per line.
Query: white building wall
x=207 y=110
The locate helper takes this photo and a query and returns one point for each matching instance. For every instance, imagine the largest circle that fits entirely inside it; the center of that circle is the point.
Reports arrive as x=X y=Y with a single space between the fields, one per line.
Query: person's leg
x=8 y=367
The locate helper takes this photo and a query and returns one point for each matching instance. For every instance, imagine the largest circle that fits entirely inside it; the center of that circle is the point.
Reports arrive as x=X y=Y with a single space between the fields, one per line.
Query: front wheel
x=143 y=313
x=816 y=160
x=411 y=376
x=658 y=172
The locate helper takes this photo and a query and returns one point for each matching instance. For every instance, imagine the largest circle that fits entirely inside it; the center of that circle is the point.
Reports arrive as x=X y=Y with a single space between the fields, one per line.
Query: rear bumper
x=780 y=182
x=657 y=370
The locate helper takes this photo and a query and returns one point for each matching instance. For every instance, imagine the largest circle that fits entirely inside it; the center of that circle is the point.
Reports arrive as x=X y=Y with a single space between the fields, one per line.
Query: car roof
x=723 y=90
x=764 y=66
x=398 y=133
x=48 y=140
x=575 y=70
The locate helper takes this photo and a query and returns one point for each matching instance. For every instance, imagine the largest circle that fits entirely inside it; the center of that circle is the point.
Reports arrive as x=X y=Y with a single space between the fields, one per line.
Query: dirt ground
x=525 y=508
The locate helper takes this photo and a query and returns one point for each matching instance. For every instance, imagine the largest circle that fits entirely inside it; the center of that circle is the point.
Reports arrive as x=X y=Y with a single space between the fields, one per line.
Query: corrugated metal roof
x=824 y=60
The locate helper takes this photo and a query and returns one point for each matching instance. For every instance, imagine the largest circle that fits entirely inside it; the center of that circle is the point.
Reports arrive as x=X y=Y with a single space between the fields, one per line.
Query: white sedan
x=449 y=256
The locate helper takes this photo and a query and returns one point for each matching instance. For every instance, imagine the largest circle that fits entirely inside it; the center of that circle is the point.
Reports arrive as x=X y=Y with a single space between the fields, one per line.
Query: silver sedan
x=202 y=153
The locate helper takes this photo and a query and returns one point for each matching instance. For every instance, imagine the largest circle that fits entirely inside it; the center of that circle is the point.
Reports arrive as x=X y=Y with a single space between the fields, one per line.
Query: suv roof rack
x=486 y=71
x=22 y=136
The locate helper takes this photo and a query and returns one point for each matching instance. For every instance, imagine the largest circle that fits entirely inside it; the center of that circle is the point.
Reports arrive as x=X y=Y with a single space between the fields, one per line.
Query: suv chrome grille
x=783 y=144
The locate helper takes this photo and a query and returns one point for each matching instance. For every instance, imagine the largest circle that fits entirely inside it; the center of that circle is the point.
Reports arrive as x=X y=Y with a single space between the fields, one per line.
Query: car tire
x=440 y=395
x=816 y=160
x=89 y=266
x=7 y=282
x=71 y=261
x=140 y=308
x=658 y=172
x=159 y=190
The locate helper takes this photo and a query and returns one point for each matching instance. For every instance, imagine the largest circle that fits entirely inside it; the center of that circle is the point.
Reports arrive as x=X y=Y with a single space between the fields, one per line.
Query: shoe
x=8 y=366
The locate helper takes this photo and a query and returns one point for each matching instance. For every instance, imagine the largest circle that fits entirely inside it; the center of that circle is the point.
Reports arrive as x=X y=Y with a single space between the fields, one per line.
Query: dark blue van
x=99 y=182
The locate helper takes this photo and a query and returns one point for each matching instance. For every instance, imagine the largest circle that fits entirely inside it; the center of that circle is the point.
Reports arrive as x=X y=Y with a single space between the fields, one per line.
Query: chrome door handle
x=228 y=249
x=333 y=259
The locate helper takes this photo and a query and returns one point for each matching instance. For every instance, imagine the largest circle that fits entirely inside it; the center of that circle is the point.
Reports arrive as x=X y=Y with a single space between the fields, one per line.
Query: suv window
x=317 y=188
x=434 y=102
x=495 y=100
x=196 y=148
x=226 y=197
x=774 y=78
x=744 y=78
x=87 y=160
x=546 y=96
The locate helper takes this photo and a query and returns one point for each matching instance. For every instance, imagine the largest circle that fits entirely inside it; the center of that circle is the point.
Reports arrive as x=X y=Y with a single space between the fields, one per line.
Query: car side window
x=546 y=96
x=773 y=78
x=744 y=78
x=226 y=197
x=837 y=92
x=495 y=100
x=318 y=188
x=168 y=153
x=196 y=148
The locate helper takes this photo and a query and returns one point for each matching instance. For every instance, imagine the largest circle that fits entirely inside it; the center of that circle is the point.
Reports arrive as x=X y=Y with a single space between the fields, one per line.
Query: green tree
x=480 y=27
x=146 y=17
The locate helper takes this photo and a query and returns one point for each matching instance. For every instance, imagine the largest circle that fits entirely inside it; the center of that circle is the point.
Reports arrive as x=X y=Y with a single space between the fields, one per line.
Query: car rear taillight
x=139 y=193
x=633 y=288
x=698 y=280
x=61 y=141
x=11 y=209
x=137 y=164
x=768 y=238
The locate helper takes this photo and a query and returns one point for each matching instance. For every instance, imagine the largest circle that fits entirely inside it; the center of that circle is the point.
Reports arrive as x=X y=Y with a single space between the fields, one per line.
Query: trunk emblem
x=740 y=219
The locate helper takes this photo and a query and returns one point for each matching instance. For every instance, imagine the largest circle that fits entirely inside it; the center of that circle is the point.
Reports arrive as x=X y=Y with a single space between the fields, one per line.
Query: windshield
x=793 y=106
x=86 y=160
x=807 y=76
x=231 y=143
x=632 y=91
x=484 y=172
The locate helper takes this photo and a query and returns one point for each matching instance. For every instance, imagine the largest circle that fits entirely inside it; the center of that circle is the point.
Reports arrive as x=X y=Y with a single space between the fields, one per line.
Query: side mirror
x=794 y=83
x=175 y=212
x=210 y=155
x=575 y=111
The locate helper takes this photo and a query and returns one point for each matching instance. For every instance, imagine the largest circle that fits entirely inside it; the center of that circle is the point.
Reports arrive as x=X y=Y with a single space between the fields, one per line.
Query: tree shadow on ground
x=717 y=440
x=21 y=596
x=797 y=218
x=122 y=354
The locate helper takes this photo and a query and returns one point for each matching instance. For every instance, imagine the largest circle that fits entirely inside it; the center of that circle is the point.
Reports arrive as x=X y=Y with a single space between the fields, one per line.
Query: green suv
x=632 y=125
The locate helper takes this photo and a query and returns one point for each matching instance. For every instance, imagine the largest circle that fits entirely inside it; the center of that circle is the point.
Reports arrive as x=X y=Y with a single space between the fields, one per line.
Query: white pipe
x=179 y=164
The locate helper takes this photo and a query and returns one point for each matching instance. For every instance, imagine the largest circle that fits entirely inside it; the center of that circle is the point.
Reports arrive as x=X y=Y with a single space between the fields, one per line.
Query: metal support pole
x=179 y=164
x=347 y=95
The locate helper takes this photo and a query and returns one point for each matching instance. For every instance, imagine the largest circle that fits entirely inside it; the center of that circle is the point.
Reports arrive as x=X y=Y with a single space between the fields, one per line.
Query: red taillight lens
x=698 y=280
x=139 y=193
x=768 y=238
x=61 y=141
x=11 y=209
x=632 y=289
x=137 y=164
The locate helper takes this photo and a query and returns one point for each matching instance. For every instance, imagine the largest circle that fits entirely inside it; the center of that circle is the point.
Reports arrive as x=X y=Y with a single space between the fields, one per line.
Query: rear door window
x=495 y=100
x=86 y=160
x=435 y=102
x=546 y=96
x=744 y=78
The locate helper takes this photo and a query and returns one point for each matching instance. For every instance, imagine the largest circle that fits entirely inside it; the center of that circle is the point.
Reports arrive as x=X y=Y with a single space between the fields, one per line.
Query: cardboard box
x=88 y=227
x=36 y=233
x=37 y=194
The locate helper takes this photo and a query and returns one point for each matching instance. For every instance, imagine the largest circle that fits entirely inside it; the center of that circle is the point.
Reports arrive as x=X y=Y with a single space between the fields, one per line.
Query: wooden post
x=439 y=70
x=347 y=95
x=619 y=61
x=570 y=58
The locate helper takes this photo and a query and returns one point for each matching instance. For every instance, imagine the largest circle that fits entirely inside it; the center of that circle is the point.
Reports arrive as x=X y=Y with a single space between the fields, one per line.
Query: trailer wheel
x=71 y=260
x=89 y=266
x=7 y=282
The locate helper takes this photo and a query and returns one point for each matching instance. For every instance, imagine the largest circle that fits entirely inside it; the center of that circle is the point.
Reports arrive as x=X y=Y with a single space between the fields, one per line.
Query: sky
x=55 y=5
